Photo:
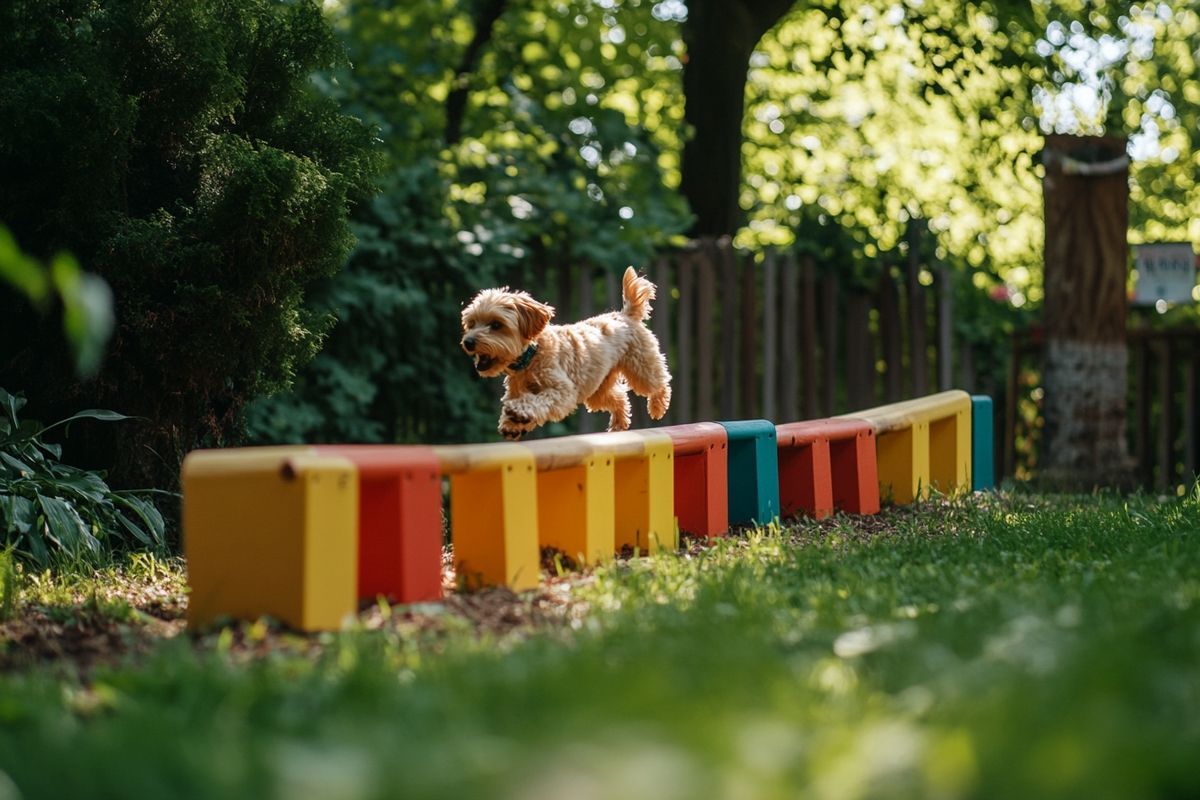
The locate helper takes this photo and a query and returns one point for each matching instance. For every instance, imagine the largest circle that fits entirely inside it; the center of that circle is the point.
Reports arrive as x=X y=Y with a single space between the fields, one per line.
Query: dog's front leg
x=521 y=413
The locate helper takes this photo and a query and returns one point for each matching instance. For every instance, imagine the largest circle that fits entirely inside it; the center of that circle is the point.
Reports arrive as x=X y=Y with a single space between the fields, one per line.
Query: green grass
x=1016 y=646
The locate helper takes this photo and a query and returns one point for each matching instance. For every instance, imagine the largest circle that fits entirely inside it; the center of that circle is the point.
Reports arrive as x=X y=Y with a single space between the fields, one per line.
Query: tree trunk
x=720 y=36
x=1086 y=194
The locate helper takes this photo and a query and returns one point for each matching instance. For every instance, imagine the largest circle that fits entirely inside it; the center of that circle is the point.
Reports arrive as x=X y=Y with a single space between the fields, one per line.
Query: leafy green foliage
x=180 y=152
x=85 y=299
x=51 y=511
x=1002 y=646
x=555 y=168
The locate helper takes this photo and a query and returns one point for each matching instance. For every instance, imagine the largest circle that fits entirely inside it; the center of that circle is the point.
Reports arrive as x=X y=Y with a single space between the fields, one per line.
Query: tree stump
x=1086 y=195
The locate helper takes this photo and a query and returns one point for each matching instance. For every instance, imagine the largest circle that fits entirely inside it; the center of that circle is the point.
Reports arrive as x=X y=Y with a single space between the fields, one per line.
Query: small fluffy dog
x=550 y=369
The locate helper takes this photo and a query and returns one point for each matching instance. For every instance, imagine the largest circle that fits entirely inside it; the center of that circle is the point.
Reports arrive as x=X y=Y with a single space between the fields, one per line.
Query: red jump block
x=827 y=464
x=701 y=477
x=400 y=520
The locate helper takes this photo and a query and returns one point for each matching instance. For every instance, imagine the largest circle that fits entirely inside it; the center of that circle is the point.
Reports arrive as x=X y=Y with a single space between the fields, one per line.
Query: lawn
x=1011 y=645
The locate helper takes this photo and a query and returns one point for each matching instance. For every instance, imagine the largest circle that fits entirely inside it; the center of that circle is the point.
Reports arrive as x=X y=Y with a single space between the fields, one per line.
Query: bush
x=179 y=151
x=53 y=511
x=535 y=186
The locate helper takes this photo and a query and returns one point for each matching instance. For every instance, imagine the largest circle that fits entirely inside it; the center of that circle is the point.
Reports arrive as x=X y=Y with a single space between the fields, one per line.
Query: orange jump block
x=399 y=520
x=644 y=484
x=271 y=531
x=575 y=502
x=493 y=514
x=701 y=477
x=922 y=443
x=827 y=464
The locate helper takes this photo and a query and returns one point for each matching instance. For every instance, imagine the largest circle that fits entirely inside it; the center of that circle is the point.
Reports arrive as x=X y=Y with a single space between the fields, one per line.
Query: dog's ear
x=532 y=316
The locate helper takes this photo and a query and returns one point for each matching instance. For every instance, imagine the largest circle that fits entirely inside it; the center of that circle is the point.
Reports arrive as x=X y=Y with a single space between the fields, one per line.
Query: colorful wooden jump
x=644 y=485
x=493 y=514
x=701 y=482
x=983 y=458
x=305 y=533
x=271 y=531
x=399 y=520
x=922 y=444
x=575 y=500
x=752 y=471
x=827 y=464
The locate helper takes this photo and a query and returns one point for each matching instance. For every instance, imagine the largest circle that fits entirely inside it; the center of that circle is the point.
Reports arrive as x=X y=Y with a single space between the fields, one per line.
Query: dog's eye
x=495 y=326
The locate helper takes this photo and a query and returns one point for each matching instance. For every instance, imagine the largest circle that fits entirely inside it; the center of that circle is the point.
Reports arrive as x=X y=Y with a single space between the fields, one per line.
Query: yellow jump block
x=922 y=443
x=493 y=514
x=575 y=484
x=271 y=531
x=644 y=484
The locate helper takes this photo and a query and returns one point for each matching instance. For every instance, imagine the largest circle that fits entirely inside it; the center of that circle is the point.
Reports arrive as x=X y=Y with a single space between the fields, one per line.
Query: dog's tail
x=638 y=292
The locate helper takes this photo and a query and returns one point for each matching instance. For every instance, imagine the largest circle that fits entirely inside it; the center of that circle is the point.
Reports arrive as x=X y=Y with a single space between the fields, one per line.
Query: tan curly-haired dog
x=550 y=369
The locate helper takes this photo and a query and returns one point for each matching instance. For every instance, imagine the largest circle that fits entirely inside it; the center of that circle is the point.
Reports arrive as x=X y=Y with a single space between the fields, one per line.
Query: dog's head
x=498 y=325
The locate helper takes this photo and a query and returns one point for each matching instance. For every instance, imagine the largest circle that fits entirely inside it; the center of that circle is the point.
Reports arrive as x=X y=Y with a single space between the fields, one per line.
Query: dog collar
x=525 y=359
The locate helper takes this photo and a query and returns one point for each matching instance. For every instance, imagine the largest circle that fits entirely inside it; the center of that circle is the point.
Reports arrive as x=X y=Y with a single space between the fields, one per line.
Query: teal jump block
x=982 y=441
x=753 y=471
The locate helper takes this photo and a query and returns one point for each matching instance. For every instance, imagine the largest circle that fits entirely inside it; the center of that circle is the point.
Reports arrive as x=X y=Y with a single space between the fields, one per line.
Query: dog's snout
x=469 y=343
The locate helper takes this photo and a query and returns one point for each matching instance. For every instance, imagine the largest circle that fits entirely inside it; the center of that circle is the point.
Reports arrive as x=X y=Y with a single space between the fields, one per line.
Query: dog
x=550 y=369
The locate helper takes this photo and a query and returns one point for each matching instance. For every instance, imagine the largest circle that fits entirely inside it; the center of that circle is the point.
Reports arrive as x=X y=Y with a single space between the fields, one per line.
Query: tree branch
x=486 y=16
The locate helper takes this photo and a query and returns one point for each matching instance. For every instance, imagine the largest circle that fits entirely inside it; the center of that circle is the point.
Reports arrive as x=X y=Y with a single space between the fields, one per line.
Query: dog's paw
x=516 y=418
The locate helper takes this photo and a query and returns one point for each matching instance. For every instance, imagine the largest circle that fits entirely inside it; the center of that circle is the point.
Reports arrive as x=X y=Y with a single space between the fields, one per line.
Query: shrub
x=179 y=151
x=53 y=511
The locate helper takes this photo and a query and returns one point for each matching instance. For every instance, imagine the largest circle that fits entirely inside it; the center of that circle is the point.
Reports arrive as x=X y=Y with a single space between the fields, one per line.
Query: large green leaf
x=146 y=512
x=63 y=521
x=134 y=531
x=91 y=413
x=19 y=513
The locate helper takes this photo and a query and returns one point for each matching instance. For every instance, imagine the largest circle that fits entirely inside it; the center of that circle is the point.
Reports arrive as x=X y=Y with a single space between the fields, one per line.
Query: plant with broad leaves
x=51 y=511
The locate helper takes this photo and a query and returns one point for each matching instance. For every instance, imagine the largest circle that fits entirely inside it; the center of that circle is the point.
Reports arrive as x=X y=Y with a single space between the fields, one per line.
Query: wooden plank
x=1167 y=419
x=729 y=352
x=860 y=356
x=966 y=368
x=586 y=292
x=918 y=356
x=1010 y=408
x=748 y=358
x=829 y=342
x=705 y=330
x=1190 y=410
x=660 y=322
x=1142 y=410
x=770 y=349
x=892 y=336
x=945 y=331
x=682 y=400
x=789 y=341
x=612 y=291
x=808 y=338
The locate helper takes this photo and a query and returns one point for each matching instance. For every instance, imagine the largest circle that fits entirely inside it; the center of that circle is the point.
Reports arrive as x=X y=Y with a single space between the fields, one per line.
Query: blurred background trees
x=213 y=163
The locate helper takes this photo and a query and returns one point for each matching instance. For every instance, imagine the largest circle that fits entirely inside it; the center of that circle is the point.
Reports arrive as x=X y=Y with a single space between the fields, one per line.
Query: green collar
x=525 y=359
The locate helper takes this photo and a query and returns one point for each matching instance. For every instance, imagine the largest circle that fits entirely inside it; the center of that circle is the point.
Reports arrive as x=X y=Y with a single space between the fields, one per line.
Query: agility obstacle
x=305 y=534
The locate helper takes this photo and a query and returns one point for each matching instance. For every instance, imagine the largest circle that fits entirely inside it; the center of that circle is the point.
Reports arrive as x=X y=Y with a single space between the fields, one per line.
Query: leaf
x=21 y=513
x=11 y=405
x=133 y=530
x=86 y=485
x=100 y=414
x=16 y=464
x=146 y=511
x=37 y=546
x=64 y=521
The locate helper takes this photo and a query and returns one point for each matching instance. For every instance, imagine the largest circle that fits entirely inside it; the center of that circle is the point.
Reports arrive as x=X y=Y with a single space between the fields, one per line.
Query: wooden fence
x=773 y=335
x=1163 y=408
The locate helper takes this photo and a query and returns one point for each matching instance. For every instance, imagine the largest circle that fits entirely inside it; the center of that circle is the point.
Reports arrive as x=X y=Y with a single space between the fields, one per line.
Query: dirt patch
x=125 y=616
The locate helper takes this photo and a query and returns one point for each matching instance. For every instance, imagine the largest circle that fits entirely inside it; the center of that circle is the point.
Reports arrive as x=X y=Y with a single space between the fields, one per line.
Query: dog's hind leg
x=612 y=396
x=646 y=370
